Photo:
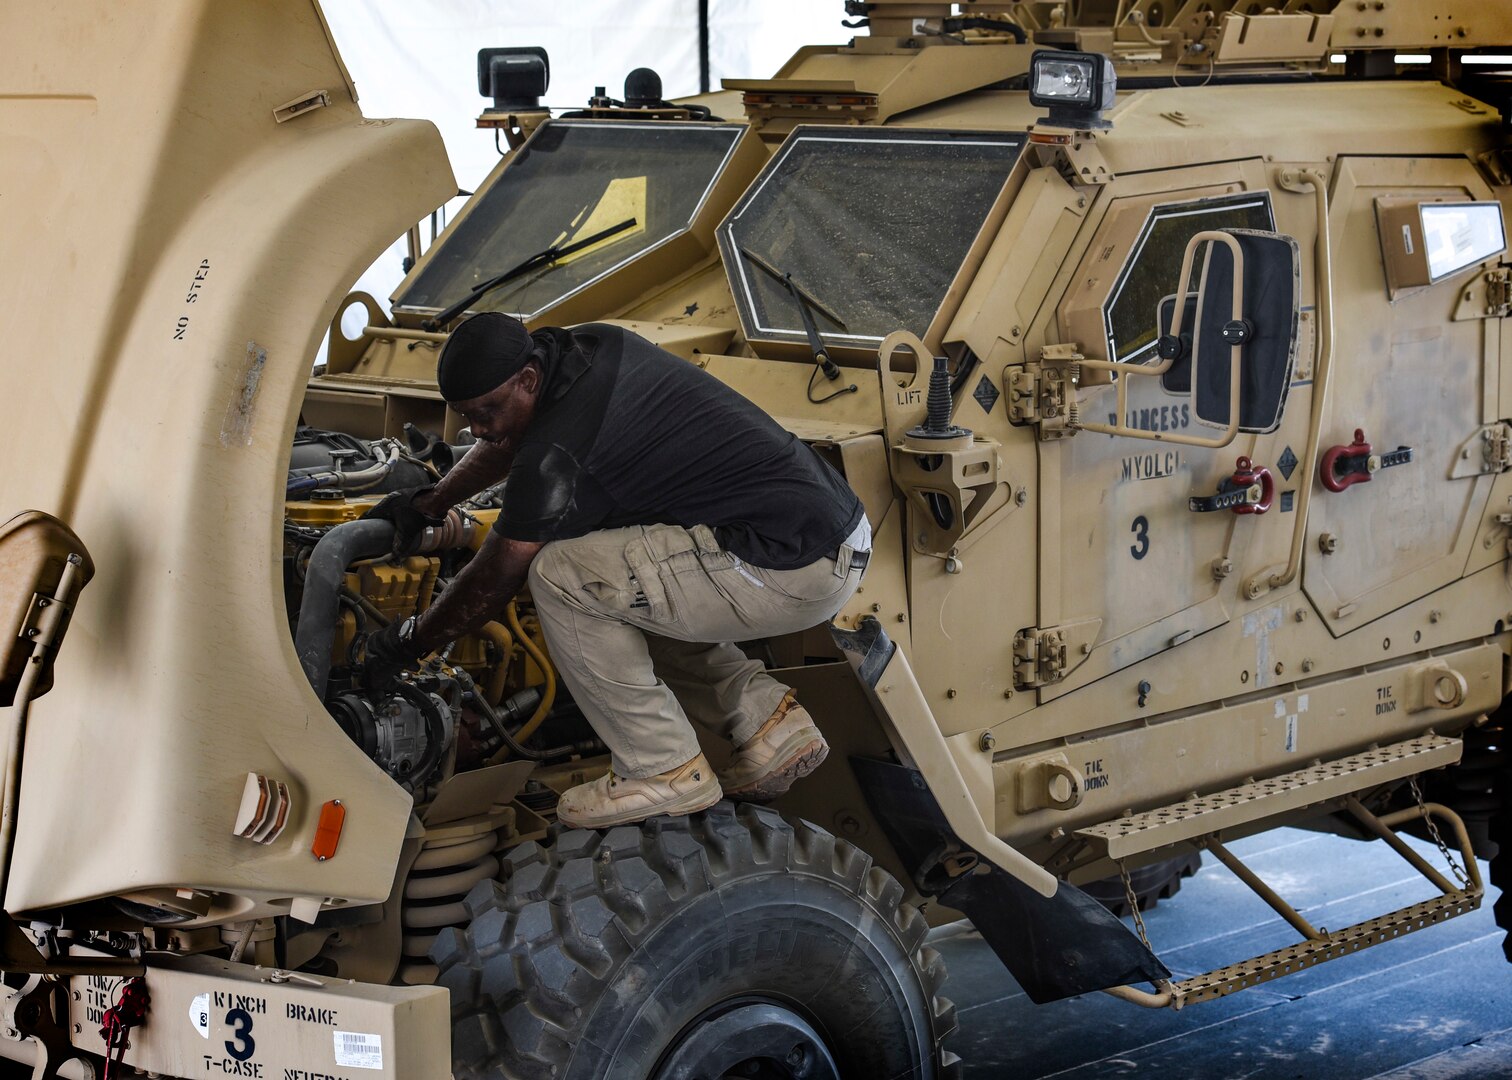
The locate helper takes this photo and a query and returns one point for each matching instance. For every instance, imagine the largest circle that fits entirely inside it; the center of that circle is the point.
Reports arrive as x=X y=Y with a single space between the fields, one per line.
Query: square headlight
x=1062 y=80
x=1074 y=86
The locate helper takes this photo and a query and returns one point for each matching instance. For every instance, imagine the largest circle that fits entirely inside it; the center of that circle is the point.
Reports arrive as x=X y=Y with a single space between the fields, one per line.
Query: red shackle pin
x=1345 y=466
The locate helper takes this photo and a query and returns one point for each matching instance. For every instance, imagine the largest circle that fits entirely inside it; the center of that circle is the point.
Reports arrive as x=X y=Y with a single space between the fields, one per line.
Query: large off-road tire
x=728 y=942
x=1153 y=883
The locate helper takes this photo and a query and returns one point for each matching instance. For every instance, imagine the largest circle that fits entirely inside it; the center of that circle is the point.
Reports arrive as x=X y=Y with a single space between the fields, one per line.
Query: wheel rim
x=750 y=1040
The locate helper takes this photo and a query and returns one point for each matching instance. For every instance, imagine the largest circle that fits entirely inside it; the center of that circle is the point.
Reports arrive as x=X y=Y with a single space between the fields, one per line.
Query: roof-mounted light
x=516 y=78
x=1076 y=87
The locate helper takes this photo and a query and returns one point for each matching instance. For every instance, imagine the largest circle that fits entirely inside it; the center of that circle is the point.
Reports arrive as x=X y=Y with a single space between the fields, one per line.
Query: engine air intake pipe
x=320 y=606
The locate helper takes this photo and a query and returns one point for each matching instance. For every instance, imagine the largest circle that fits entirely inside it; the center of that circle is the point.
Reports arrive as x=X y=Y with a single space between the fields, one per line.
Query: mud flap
x=1055 y=947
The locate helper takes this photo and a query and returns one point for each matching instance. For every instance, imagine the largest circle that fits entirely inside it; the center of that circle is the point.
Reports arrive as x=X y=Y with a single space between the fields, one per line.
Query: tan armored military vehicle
x=1162 y=340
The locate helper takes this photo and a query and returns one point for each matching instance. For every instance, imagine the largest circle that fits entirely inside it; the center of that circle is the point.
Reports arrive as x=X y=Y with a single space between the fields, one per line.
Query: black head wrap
x=490 y=348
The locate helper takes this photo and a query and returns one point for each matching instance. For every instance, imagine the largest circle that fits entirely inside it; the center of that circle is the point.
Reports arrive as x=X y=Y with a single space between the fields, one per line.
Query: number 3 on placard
x=241 y=1028
x=1141 y=529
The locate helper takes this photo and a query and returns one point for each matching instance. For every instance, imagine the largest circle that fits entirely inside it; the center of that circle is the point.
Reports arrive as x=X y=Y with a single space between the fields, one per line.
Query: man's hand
x=389 y=651
x=477 y=594
x=403 y=508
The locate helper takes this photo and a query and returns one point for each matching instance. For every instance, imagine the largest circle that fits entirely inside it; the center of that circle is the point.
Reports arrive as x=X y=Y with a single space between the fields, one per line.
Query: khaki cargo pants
x=641 y=623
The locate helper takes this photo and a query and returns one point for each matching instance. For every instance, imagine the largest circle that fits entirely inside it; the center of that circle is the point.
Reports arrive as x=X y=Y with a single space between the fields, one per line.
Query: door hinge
x=1488 y=296
x=1488 y=450
x=1499 y=292
x=1044 y=394
x=1498 y=448
x=1040 y=657
x=1045 y=656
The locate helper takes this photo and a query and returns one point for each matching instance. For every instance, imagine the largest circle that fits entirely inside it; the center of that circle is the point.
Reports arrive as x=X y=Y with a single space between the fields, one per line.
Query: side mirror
x=1232 y=344
x=1244 y=340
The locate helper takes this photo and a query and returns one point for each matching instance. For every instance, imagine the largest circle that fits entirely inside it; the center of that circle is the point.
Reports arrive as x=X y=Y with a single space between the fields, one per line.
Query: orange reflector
x=1050 y=138
x=328 y=831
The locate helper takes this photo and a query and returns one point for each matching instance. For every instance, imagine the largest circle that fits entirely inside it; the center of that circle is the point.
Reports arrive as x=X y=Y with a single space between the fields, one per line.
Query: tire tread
x=545 y=941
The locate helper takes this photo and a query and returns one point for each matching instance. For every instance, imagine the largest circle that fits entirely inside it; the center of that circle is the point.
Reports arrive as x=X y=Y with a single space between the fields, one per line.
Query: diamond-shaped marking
x=986 y=395
x=1288 y=463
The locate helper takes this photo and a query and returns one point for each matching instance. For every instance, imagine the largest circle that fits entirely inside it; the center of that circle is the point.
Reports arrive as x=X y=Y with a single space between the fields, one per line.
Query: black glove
x=389 y=651
x=409 y=523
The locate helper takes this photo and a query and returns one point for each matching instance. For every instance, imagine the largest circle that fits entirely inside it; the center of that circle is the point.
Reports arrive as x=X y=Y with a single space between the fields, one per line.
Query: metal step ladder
x=1200 y=821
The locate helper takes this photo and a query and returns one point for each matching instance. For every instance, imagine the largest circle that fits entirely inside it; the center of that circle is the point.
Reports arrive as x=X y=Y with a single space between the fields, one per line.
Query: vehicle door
x=1119 y=542
x=1415 y=365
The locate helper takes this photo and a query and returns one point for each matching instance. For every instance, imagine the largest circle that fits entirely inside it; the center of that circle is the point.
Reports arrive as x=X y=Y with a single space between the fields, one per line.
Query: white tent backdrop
x=418 y=58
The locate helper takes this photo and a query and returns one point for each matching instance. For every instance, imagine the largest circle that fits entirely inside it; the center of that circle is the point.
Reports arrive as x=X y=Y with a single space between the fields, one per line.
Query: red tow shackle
x=1246 y=476
x=1345 y=466
x=1249 y=491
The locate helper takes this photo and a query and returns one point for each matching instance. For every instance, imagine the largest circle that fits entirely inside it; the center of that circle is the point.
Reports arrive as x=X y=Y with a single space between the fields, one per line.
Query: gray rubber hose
x=320 y=607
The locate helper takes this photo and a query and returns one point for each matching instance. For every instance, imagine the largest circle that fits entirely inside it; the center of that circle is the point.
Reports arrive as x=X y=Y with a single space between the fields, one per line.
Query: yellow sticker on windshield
x=624 y=198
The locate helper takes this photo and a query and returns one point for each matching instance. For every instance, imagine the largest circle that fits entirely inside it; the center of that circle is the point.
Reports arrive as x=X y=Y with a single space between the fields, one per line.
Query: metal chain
x=1123 y=872
x=1433 y=831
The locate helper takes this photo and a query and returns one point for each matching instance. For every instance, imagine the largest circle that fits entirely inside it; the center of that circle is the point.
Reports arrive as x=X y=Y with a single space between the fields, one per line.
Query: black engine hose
x=320 y=606
x=518 y=707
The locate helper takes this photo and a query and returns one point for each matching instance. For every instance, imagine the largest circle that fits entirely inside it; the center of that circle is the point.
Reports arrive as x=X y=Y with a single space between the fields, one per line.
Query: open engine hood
x=187 y=189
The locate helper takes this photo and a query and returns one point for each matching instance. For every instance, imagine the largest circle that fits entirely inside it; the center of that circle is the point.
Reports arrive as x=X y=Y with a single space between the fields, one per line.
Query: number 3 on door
x=1141 y=529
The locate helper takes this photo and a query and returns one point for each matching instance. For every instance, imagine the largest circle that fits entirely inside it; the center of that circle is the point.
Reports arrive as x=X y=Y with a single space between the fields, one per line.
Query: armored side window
x=871 y=223
x=1154 y=263
x=571 y=181
x=1425 y=241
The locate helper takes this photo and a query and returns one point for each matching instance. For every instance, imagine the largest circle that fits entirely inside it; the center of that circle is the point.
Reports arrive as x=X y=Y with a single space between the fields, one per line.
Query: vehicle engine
x=479 y=700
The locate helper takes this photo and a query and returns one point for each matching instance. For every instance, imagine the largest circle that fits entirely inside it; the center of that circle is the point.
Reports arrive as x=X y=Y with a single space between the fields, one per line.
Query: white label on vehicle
x=356 y=1050
x=1407 y=238
x=199 y=1014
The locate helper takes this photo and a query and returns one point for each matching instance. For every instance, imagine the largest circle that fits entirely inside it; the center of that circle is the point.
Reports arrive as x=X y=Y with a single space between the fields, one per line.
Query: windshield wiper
x=539 y=260
x=807 y=304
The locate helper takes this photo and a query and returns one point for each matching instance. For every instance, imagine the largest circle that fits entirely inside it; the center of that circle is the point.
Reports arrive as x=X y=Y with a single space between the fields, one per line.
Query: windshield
x=571 y=180
x=873 y=224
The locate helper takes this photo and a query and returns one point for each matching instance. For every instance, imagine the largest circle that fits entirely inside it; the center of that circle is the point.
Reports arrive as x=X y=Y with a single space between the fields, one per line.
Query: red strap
x=129 y=1012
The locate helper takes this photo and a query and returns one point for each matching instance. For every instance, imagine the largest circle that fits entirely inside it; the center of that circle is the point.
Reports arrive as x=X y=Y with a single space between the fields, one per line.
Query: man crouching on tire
x=660 y=517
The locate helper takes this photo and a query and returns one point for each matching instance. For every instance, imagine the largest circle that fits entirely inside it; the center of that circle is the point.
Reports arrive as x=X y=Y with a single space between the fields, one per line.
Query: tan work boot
x=786 y=748
x=618 y=800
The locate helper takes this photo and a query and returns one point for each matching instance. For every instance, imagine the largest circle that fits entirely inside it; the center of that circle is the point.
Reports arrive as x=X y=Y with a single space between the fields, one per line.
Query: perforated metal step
x=1208 y=814
x=1294 y=958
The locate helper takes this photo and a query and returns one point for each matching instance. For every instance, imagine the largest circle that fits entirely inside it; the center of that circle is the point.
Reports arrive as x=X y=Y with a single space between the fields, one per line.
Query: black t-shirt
x=642 y=437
